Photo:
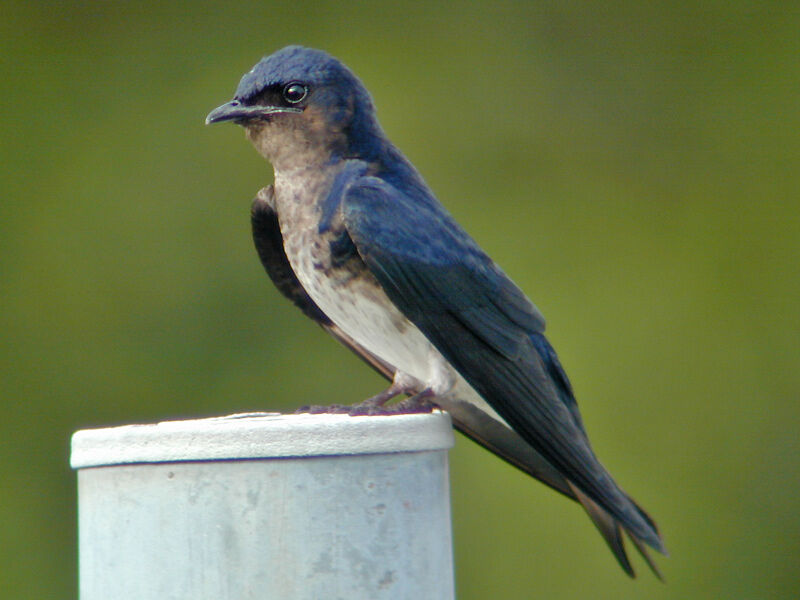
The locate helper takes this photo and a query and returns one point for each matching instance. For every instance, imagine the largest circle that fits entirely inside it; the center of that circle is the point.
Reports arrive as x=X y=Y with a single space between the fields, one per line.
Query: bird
x=350 y=233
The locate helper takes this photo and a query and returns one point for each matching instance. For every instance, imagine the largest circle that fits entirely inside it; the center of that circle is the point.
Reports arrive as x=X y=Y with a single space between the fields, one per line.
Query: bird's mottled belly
x=351 y=297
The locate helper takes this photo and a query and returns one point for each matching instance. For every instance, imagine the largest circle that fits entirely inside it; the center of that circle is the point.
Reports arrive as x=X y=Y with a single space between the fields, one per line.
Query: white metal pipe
x=266 y=506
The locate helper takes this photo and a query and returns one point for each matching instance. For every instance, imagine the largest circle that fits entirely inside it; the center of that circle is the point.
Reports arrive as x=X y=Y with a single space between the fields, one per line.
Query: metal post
x=266 y=506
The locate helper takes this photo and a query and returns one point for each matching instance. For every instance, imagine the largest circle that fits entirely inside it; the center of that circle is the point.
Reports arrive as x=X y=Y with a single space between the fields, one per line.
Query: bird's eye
x=294 y=92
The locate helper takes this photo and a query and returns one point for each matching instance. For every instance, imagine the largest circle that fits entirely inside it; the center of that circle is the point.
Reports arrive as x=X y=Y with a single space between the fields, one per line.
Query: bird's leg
x=383 y=397
x=401 y=384
x=420 y=402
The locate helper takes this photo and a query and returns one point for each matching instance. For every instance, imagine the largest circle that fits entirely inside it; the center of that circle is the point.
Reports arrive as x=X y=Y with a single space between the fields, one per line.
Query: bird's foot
x=418 y=403
x=401 y=384
x=321 y=409
x=376 y=405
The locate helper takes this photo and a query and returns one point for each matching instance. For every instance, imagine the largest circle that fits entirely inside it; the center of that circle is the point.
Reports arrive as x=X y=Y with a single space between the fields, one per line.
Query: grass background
x=634 y=167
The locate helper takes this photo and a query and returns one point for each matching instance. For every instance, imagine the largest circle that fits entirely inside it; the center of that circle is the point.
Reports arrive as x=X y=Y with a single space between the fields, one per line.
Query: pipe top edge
x=260 y=435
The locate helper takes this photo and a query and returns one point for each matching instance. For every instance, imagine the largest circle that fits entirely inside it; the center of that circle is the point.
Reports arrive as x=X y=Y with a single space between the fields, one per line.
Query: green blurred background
x=634 y=167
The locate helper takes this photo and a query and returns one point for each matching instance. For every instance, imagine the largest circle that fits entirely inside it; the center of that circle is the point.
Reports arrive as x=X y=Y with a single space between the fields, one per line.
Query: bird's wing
x=467 y=418
x=483 y=325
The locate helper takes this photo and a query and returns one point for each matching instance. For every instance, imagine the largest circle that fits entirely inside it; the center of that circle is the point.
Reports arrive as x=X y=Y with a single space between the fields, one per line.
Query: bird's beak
x=236 y=111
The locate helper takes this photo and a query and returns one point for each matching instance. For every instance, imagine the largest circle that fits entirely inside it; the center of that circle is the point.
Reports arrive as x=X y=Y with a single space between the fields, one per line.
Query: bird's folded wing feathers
x=482 y=324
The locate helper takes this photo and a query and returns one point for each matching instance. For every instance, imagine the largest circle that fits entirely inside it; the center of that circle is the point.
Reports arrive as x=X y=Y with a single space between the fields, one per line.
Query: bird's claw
x=418 y=403
x=319 y=409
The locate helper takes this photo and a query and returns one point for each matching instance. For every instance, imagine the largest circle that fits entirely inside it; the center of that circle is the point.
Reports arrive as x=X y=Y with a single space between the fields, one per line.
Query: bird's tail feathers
x=510 y=446
x=612 y=532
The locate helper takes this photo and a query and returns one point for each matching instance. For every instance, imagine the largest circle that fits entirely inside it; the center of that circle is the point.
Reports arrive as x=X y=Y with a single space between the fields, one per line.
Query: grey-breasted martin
x=350 y=232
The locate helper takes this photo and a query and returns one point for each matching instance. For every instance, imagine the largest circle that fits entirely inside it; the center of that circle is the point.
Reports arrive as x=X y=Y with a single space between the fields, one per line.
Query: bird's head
x=300 y=106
